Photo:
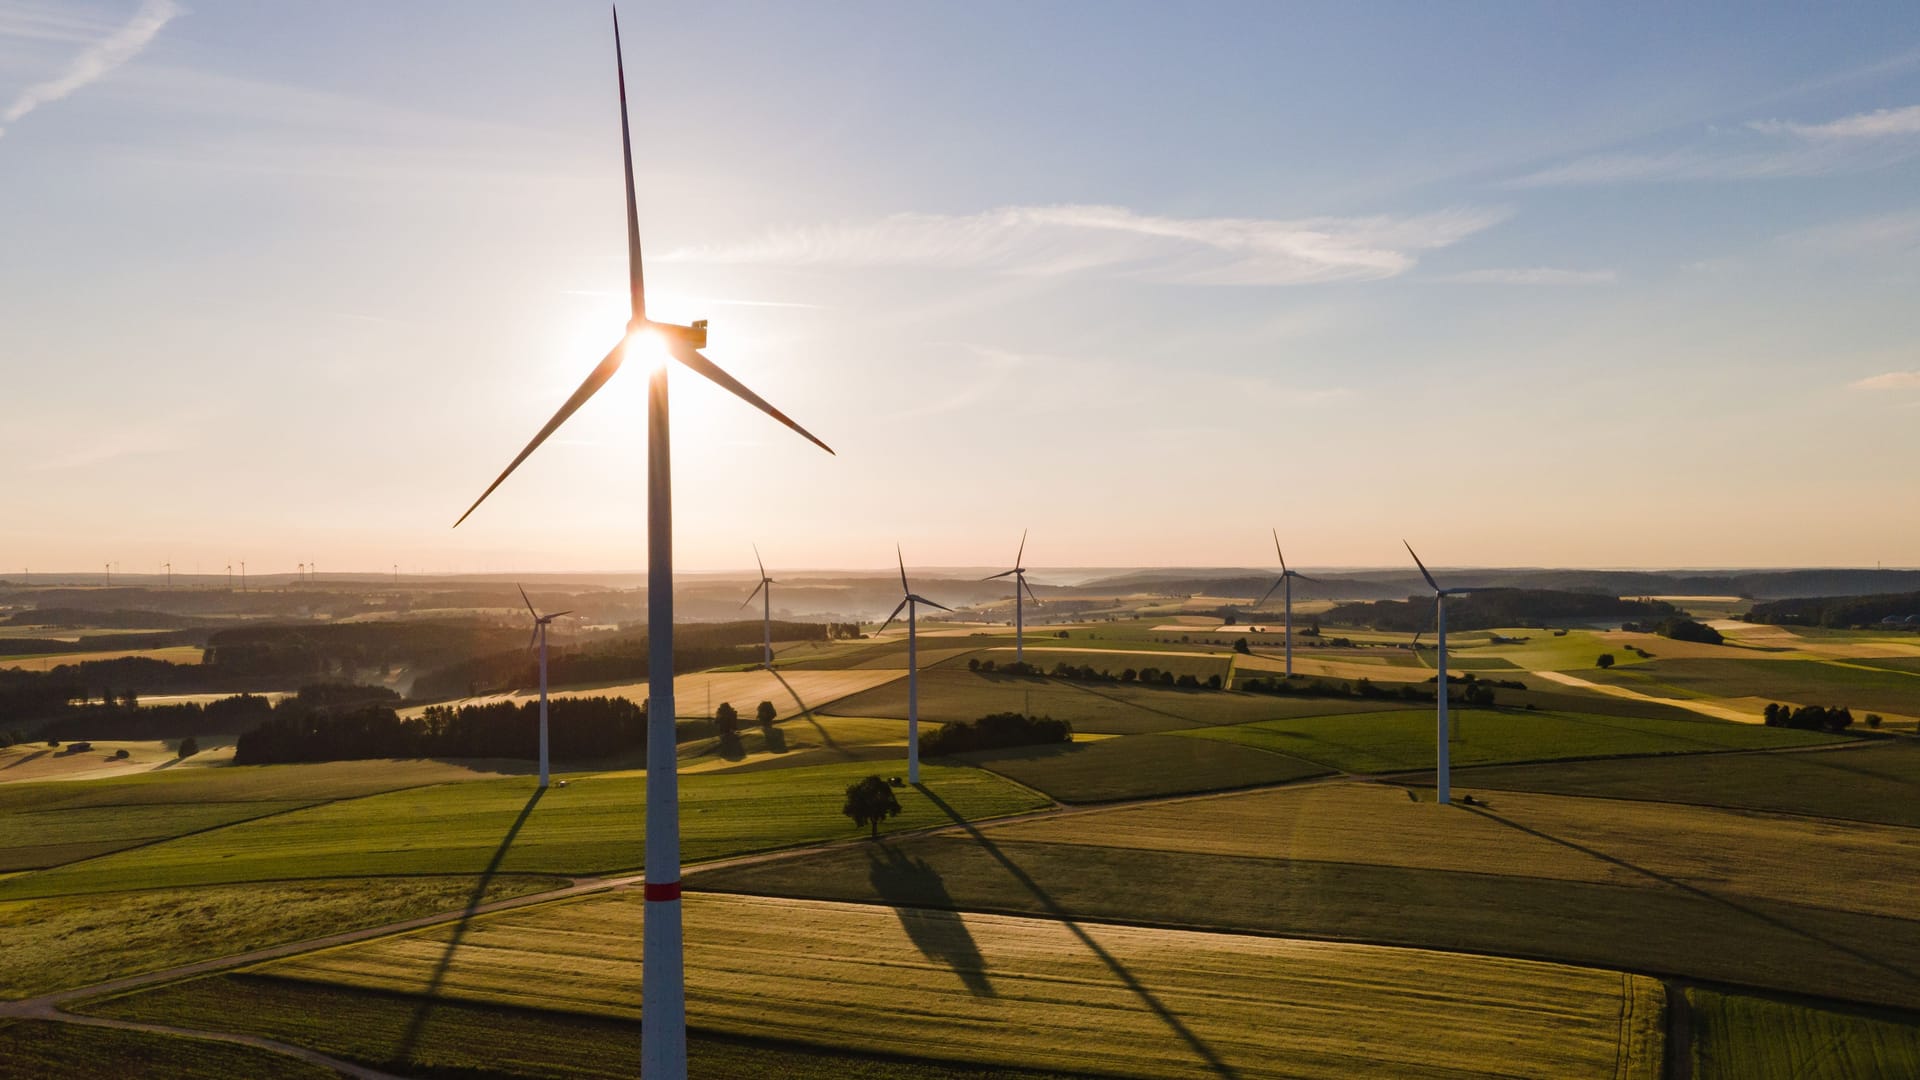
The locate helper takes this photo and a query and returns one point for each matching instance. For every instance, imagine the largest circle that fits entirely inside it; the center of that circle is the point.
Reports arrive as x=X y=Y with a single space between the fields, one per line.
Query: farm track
x=51 y=1007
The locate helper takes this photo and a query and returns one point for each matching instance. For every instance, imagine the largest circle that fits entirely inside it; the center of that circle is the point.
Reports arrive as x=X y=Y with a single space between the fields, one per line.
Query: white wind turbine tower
x=909 y=600
x=1442 y=767
x=1019 y=573
x=663 y=1003
x=766 y=604
x=540 y=624
x=1286 y=578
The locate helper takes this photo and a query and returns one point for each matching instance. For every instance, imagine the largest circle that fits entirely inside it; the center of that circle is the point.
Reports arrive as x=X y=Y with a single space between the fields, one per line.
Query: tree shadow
x=806 y=713
x=35 y=756
x=911 y=885
x=1205 y=1053
x=1694 y=890
x=408 y=1042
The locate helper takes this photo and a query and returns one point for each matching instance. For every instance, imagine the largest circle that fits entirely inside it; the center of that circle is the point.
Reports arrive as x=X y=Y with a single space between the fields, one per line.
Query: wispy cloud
x=1878 y=124
x=1531 y=275
x=96 y=60
x=1892 y=380
x=1883 y=232
x=1050 y=241
x=1759 y=149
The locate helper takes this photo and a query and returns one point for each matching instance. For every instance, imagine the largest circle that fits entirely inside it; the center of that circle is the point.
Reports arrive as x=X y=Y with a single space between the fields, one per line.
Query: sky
x=1528 y=285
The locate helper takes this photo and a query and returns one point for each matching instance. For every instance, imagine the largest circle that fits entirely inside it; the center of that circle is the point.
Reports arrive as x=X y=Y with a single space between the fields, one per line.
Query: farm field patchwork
x=792 y=692
x=1801 y=682
x=1139 y=766
x=1039 y=993
x=952 y=693
x=173 y=654
x=1403 y=739
x=1737 y=1037
x=1877 y=781
x=593 y=825
x=52 y=944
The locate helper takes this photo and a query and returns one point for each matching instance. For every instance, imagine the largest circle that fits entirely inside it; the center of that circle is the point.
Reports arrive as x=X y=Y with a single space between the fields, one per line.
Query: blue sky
x=1528 y=284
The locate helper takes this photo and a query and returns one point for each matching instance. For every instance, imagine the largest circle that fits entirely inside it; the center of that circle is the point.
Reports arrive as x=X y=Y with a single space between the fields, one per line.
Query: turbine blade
x=634 y=275
x=1270 y=591
x=535 y=639
x=895 y=615
x=557 y=614
x=595 y=380
x=757 y=562
x=923 y=600
x=1029 y=588
x=691 y=357
x=904 y=587
x=1023 y=548
x=996 y=577
x=524 y=600
x=1423 y=568
x=754 y=593
x=1277 y=551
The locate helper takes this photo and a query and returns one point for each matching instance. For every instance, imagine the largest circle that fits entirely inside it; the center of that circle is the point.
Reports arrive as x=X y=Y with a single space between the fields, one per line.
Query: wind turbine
x=1286 y=578
x=663 y=1005
x=766 y=603
x=909 y=600
x=540 y=624
x=1442 y=766
x=1019 y=582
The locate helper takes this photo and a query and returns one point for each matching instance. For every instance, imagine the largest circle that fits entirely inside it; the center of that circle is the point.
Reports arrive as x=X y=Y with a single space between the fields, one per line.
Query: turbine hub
x=694 y=335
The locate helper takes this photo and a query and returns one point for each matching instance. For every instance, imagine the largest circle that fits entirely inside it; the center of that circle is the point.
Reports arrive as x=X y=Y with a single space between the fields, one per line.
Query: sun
x=648 y=348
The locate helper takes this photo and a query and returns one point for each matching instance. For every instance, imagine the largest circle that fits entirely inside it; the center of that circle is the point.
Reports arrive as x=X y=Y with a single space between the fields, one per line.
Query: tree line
x=347 y=730
x=1486 y=609
x=995 y=732
x=1838 y=612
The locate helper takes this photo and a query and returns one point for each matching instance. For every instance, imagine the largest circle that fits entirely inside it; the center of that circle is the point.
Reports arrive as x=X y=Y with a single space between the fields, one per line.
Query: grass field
x=1403 y=739
x=173 y=654
x=47 y=1050
x=479 y=1042
x=1189 y=661
x=593 y=825
x=1802 y=682
x=1139 y=766
x=53 y=944
x=792 y=692
x=52 y=822
x=1737 y=1037
x=1708 y=894
x=1038 y=993
x=953 y=693
x=35 y=761
x=1878 y=781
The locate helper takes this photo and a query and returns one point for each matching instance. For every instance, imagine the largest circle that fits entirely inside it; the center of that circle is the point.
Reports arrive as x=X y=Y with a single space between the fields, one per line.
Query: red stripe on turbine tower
x=657 y=891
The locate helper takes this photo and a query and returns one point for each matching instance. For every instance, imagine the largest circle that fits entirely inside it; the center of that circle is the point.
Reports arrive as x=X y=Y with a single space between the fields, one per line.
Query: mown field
x=593 y=825
x=1803 y=682
x=45 y=1049
x=47 y=823
x=1876 y=781
x=1739 y=1037
x=172 y=654
x=1141 y=766
x=950 y=693
x=1404 y=739
x=1038 y=993
x=1711 y=894
x=697 y=694
x=56 y=943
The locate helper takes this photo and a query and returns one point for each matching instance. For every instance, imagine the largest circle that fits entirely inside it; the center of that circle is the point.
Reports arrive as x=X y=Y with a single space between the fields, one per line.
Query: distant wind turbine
x=1019 y=573
x=540 y=624
x=1286 y=578
x=909 y=600
x=663 y=1009
x=1442 y=766
x=766 y=603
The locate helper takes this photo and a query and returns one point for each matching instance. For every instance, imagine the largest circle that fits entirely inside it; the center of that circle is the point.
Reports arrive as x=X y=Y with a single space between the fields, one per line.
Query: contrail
x=96 y=60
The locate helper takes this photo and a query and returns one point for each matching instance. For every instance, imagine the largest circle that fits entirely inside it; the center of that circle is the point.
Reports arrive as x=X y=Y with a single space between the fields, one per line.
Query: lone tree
x=765 y=714
x=726 y=721
x=1605 y=661
x=870 y=802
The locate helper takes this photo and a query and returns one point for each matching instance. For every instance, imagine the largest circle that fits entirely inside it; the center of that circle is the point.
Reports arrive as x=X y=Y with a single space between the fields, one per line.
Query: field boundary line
x=340 y=1066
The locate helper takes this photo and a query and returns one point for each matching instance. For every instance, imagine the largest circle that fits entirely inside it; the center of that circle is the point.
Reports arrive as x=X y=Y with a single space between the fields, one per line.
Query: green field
x=1111 y=656
x=953 y=693
x=1802 y=682
x=48 y=1050
x=1678 y=890
x=1737 y=1037
x=1141 y=766
x=1877 y=781
x=1038 y=993
x=593 y=825
x=1403 y=739
x=56 y=943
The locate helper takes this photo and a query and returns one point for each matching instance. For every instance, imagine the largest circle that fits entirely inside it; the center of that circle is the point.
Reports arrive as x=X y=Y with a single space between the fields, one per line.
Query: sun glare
x=649 y=348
